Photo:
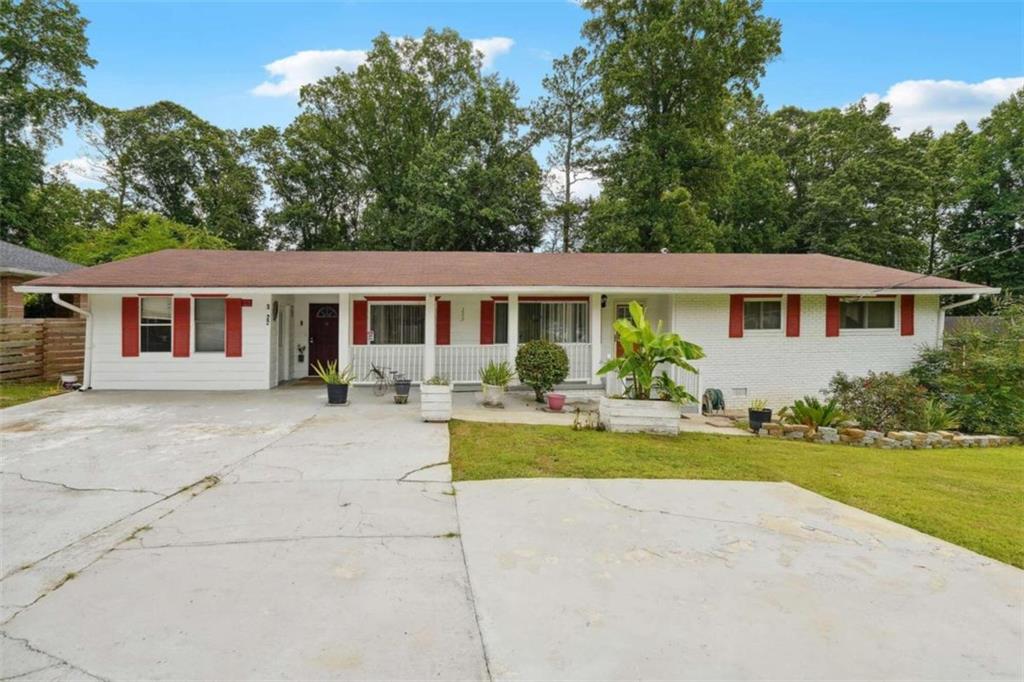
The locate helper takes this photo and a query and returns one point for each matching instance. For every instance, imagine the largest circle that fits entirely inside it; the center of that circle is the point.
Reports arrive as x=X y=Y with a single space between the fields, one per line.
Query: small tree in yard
x=541 y=365
x=644 y=348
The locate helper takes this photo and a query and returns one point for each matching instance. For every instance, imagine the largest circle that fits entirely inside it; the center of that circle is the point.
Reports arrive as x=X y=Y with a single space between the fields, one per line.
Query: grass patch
x=973 y=497
x=16 y=394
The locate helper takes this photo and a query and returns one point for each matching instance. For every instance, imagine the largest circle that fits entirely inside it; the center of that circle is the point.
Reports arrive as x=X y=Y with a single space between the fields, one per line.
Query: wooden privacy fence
x=41 y=349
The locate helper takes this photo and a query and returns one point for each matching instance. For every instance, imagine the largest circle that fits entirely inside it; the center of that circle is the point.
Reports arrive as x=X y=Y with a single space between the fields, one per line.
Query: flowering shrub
x=882 y=402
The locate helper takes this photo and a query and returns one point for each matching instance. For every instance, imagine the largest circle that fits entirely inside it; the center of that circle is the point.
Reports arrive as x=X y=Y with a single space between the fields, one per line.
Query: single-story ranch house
x=773 y=326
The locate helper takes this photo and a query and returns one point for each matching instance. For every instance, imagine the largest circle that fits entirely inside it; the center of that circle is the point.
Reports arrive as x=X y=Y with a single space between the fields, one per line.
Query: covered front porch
x=419 y=337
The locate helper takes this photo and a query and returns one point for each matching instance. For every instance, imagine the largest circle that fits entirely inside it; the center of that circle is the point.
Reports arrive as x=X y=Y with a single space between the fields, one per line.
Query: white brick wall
x=778 y=368
x=160 y=371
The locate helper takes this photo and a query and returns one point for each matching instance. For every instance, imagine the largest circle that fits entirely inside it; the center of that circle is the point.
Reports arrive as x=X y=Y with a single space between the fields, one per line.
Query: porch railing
x=462 y=363
x=407 y=359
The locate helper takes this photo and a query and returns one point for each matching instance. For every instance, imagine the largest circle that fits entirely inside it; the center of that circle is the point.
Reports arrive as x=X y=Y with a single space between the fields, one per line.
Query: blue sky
x=211 y=56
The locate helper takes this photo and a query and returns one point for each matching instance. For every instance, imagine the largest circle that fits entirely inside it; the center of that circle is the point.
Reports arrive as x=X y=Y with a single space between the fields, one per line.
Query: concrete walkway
x=263 y=535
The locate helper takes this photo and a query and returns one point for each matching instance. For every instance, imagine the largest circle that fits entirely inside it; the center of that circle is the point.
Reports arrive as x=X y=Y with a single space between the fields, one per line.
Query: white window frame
x=369 y=321
x=883 y=331
x=169 y=325
x=781 y=300
x=586 y=304
x=195 y=326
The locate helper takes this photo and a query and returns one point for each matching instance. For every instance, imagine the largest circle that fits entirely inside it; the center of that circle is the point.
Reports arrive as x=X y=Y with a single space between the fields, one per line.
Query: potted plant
x=758 y=414
x=436 y=400
x=337 y=381
x=402 y=387
x=494 y=378
x=651 y=402
x=541 y=365
x=556 y=401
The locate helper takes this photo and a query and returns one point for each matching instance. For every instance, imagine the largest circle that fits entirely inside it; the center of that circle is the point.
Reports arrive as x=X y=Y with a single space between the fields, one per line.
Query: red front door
x=323 y=334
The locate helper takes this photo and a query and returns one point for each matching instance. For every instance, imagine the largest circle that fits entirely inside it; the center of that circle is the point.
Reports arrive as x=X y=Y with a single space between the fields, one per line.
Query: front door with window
x=621 y=313
x=323 y=334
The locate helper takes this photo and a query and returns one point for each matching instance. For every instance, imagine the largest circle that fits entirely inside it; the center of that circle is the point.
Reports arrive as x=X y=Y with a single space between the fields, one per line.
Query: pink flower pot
x=556 y=401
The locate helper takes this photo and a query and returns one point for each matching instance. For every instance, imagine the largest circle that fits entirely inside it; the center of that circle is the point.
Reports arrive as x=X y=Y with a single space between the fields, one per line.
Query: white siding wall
x=160 y=371
x=778 y=368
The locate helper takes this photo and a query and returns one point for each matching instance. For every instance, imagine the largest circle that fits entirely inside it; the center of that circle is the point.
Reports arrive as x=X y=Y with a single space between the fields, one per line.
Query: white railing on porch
x=406 y=359
x=579 y=361
x=462 y=363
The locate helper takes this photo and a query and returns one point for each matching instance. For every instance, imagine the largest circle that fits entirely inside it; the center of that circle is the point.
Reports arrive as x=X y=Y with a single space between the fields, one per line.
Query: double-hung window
x=397 y=324
x=501 y=322
x=877 y=314
x=155 y=324
x=560 y=322
x=209 y=317
x=762 y=315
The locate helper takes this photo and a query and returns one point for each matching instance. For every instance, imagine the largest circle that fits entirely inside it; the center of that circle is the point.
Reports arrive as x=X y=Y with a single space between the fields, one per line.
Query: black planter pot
x=337 y=394
x=758 y=418
x=402 y=386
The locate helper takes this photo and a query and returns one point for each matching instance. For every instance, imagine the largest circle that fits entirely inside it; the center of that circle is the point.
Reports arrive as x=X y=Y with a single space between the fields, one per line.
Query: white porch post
x=344 y=331
x=595 y=337
x=513 y=329
x=429 y=337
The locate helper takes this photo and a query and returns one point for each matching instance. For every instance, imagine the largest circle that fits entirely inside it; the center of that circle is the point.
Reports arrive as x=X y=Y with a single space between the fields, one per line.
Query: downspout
x=87 y=370
x=941 y=331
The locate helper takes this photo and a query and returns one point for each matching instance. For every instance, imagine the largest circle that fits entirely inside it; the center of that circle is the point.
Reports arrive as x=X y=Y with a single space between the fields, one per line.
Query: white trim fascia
x=496 y=290
x=26 y=273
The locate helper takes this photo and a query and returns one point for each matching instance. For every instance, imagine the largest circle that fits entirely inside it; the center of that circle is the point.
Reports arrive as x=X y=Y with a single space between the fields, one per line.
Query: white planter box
x=493 y=395
x=435 y=403
x=639 y=416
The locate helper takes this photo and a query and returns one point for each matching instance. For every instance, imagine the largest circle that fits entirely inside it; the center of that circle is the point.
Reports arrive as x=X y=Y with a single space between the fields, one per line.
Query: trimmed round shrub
x=541 y=365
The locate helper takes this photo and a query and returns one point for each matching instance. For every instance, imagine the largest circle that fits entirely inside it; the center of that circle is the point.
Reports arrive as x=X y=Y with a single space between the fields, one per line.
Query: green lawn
x=16 y=394
x=974 y=498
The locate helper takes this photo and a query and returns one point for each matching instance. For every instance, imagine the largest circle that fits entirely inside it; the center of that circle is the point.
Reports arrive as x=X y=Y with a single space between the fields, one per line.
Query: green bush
x=813 y=413
x=979 y=373
x=882 y=402
x=541 y=365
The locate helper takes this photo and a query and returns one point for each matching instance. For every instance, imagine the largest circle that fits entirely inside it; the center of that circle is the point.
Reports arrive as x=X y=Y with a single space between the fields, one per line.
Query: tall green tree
x=944 y=165
x=416 y=149
x=165 y=159
x=566 y=115
x=991 y=216
x=140 y=233
x=43 y=53
x=668 y=71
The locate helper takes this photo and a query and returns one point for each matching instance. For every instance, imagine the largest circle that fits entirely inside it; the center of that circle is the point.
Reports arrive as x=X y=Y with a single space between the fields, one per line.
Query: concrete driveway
x=264 y=535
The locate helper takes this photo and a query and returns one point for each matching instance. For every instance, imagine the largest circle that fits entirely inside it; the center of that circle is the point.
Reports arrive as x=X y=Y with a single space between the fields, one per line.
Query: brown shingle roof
x=251 y=269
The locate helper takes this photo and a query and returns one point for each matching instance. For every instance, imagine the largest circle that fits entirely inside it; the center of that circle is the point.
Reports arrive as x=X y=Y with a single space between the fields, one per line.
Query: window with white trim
x=559 y=321
x=155 y=324
x=397 y=324
x=501 y=322
x=209 y=319
x=762 y=315
x=867 y=314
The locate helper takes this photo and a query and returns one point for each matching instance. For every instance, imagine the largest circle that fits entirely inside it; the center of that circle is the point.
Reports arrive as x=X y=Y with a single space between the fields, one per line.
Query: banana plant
x=644 y=348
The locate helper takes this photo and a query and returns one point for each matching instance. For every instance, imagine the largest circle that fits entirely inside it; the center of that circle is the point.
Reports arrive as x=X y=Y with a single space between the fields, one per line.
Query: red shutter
x=129 y=327
x=793 y=315
x=486 y=322
x=182 y=327
x=906 y=315
x=444 y=323
x=736 y=316
x=359 y=312
x=831 y=316
x=233 y=327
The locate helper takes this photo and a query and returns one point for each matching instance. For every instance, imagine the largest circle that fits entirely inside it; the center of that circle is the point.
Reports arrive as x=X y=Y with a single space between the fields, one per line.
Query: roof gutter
x=941 y=331
x=87 y=370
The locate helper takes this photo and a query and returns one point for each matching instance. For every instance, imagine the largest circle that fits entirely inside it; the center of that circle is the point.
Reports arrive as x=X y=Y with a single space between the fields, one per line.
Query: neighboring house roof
x=307 y=269
x=19 y=260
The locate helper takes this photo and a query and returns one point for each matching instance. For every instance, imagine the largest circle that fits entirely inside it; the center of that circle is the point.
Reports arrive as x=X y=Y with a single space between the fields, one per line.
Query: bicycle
x=383 y=378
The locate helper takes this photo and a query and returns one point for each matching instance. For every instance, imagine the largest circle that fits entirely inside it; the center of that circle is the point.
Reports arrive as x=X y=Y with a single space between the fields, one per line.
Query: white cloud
x=305 y=67
x=584 y=185
x=492 y=48
x=917 y=104
x=289 y=74
x=81 y=171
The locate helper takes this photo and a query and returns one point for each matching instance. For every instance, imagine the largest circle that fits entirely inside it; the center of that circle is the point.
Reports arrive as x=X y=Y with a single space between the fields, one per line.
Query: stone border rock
x=910 y=440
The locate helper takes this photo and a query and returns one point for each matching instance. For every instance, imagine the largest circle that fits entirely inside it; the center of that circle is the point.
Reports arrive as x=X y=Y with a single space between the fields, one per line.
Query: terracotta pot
x=556 y=401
